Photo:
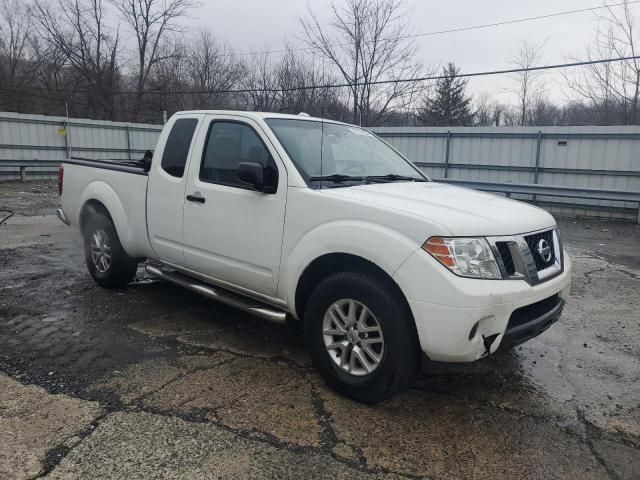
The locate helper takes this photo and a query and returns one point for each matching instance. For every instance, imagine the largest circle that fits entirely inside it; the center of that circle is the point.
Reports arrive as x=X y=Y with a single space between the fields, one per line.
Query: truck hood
x=462 y=211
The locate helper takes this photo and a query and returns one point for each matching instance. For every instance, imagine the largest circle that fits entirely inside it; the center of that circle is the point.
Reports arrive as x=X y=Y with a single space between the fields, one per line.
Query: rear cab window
x=176 y=149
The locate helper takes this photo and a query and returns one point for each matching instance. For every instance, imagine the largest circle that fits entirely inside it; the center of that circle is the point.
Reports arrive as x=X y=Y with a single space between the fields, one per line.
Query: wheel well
x=331 y=263
x=91 y=208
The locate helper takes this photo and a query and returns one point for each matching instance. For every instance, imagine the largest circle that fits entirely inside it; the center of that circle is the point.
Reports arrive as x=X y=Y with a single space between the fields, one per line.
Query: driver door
x=233 y=233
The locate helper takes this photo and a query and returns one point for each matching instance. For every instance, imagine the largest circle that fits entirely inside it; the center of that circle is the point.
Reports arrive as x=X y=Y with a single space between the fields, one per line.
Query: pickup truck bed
x=119 y=186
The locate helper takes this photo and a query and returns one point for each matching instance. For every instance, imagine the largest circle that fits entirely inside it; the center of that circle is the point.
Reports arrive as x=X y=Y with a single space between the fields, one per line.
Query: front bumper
x=529 y=322
x=462 y=320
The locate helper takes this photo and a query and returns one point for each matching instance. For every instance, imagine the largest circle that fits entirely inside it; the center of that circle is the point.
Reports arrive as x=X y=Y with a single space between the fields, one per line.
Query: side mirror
x=252 y=174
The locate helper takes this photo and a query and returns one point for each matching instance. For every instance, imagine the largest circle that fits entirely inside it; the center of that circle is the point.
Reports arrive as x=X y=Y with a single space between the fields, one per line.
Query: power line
x=61 y=100
x=429 y=78
x=396 y=81
x=343 y=85
x=520 y=20
x=450 y=30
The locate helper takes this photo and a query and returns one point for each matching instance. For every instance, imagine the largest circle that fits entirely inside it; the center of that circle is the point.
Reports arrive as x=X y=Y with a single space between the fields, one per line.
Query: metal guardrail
x=61 y=148
x=530 y=169
x=530 y=135
x=538 y=137
x=30 y=163
x=507 y=188
x=549 y=190
x=22 y=165
x=80 y=123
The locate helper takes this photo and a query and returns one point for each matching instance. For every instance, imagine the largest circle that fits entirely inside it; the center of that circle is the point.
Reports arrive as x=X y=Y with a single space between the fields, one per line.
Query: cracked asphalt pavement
x=156 y=382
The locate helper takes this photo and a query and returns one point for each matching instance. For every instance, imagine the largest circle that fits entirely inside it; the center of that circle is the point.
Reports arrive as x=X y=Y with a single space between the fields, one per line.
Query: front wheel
x=107 y=262
x=360 y=336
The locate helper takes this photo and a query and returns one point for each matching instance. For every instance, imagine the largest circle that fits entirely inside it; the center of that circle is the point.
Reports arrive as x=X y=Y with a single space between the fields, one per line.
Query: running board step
x=248 y=305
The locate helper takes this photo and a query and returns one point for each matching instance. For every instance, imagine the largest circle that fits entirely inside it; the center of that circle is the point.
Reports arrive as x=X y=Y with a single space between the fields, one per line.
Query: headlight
x=467 y=257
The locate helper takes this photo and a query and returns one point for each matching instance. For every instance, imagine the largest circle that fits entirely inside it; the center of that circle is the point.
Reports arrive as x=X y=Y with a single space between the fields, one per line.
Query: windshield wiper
x=340 y=178
x=337 y=178
x=392 y=177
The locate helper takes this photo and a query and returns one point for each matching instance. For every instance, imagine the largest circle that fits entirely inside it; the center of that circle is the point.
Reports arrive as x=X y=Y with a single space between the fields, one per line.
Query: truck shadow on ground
x=206 y=328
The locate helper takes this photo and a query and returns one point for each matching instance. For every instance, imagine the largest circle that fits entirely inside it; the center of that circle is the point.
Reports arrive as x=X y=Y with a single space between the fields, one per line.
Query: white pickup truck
x=323 y=222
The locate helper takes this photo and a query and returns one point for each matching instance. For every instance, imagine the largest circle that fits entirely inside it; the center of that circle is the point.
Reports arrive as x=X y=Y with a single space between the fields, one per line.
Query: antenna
x=321 y=144
x=324 y=93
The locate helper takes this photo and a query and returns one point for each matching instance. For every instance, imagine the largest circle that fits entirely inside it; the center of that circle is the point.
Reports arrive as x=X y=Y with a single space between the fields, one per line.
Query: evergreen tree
x=449 y=106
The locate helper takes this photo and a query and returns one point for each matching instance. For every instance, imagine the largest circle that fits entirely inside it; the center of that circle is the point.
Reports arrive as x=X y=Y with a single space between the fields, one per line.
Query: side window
x=176 y=149
x=229 y=144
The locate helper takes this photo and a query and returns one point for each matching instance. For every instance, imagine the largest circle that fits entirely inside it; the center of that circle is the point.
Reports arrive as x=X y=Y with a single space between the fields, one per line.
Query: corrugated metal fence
x=605 y=158
x=43 y=138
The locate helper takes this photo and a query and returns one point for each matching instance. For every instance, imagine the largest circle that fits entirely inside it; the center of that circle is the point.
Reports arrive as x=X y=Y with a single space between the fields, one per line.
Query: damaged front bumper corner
x=466 y=334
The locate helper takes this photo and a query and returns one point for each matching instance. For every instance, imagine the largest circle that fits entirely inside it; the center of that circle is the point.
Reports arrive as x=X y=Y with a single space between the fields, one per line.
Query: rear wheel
x=360 y=336
x=107 y=262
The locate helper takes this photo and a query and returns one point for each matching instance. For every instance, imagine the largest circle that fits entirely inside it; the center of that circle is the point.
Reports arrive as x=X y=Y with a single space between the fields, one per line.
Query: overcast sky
x=261 y=24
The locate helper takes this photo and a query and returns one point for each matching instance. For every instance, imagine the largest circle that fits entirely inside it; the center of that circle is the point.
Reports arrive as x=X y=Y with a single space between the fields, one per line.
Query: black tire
x=121 y=268
x=401 y=355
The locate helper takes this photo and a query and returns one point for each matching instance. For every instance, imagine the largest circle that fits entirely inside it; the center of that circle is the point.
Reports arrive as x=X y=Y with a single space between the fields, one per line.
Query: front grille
x=519 y=259
x=533 y=242
x=507 y=258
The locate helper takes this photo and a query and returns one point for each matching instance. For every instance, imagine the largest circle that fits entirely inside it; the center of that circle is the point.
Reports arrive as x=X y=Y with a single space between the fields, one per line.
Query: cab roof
x=259 y=115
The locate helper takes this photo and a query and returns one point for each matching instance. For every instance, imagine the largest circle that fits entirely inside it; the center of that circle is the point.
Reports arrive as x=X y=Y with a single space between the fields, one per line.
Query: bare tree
x=17 y=55
x=368 y=42
x=528 y=84
x=292 y=78
x=77 y=30
x=301 y=85
x=544 y=112
x=511 y=116
x=169 y=75
x=487 y=111
x=212 y=67
x=260 y=84
x=150 y=21
x=612 y=88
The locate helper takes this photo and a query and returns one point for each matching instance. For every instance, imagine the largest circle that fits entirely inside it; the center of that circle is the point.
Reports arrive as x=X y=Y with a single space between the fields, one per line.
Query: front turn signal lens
x=437 y=247
x=466 y=257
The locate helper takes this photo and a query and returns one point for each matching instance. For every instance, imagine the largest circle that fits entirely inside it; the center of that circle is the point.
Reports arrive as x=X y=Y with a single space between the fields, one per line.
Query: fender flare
x=388 y=251
x=103 y=193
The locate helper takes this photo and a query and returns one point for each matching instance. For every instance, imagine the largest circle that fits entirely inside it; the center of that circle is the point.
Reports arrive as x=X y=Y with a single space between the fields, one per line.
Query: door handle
x=196 y=198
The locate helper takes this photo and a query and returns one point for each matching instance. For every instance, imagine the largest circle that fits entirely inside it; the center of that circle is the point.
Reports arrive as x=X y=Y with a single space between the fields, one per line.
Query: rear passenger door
x=166 y=187
x=233 y=233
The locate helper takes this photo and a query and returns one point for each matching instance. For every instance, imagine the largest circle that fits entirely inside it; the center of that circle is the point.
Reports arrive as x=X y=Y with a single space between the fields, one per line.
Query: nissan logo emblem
x=544 y=250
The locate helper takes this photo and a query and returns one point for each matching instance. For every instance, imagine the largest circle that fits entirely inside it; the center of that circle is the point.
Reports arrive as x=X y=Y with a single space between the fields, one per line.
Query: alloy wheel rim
x=353 y=337
x=100 y=251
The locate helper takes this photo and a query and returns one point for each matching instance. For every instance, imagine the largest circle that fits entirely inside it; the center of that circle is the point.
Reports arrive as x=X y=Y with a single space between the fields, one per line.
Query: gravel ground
x=156 y=382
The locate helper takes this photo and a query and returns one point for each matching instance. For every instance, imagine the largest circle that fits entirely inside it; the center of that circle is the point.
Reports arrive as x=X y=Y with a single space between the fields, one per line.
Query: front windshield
x=340 y=155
